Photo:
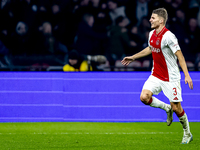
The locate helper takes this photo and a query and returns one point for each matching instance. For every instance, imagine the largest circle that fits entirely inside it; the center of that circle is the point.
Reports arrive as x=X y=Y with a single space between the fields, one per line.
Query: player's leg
x=173 y=92
x=177 y=108
x=152 y=86
x=147 y=98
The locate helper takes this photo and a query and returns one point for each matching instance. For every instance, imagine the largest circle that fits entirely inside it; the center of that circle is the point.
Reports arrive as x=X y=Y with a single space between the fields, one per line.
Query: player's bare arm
x=183 y=65
x=145 y=52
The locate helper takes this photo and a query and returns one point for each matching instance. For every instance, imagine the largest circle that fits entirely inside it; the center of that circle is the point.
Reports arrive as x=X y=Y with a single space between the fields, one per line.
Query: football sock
x=158 y=104
x=184 y=122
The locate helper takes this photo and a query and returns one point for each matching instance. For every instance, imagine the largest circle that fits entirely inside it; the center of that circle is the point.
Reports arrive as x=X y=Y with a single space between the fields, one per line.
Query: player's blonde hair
x=161 y=12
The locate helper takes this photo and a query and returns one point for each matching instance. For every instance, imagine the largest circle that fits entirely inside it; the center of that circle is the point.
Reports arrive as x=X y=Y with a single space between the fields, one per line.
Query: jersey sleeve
x=150 y=34
x=172 y=42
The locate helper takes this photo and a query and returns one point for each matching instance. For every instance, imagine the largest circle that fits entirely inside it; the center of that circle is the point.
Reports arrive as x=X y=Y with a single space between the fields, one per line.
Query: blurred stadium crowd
x=42 y=33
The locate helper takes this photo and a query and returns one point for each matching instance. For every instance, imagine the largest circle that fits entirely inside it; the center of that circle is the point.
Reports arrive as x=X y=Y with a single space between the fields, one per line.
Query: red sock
x=181 y=114
x=150 y=101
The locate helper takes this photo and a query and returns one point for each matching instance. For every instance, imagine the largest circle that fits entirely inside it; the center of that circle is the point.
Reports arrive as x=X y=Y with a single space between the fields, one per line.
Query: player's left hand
x=188 y=81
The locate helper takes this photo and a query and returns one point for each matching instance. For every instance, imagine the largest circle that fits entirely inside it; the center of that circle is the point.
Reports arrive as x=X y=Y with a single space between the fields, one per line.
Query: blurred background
x=90 y=35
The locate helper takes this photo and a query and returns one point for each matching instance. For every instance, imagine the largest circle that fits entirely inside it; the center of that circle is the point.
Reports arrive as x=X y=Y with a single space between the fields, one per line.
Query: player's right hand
x=127 y=60
x=188 y=81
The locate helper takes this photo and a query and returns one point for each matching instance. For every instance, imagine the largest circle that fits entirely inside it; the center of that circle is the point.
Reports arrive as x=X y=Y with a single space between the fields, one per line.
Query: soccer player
x=165 y=76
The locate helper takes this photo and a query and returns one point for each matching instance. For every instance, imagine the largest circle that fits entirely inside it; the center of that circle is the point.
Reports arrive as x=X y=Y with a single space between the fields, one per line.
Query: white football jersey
x=164 y=46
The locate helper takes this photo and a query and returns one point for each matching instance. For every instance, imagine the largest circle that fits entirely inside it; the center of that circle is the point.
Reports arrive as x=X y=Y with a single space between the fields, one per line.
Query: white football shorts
x=172 y=90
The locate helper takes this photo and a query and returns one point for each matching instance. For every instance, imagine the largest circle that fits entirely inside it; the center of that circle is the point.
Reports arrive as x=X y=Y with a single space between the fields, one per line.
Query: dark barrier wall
x=89 y=96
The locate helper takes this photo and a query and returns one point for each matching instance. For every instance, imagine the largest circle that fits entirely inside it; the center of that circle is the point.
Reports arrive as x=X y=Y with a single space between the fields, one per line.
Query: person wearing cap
x=76 y=63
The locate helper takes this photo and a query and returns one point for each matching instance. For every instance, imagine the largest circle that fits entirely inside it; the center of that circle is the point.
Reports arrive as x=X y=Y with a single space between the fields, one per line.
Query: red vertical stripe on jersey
x=160 y=69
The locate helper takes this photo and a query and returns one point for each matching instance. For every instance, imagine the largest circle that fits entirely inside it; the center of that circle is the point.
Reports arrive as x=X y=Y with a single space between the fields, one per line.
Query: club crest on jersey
x=157 y=42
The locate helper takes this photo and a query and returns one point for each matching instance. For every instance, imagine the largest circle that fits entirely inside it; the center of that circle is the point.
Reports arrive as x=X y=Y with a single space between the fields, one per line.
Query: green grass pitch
x=96 y=136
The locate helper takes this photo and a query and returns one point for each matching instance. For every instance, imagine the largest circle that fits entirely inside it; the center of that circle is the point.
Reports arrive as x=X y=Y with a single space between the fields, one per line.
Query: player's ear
x=161 y=21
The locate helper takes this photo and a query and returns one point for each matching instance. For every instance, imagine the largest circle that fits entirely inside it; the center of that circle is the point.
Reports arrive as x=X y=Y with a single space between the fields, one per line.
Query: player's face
x=155 y=21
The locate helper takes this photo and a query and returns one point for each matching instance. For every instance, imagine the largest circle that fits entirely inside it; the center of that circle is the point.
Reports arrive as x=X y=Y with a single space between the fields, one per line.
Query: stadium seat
x=198 y=65
x=105 y=67
x=146 y=63
x=190 y=65
x=55 y=68
x=133 y=65
x=130 y=67
x=119 y=66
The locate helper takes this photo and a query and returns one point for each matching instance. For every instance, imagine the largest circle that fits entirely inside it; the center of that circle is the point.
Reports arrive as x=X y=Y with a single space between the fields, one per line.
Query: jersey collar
x=160 y=33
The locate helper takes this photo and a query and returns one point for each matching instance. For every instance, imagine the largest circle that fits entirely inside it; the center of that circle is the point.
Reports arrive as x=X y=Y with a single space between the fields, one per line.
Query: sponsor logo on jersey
x=156 y=50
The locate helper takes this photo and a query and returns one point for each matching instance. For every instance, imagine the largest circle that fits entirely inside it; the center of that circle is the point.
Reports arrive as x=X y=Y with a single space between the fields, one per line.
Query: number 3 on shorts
x=175 y=92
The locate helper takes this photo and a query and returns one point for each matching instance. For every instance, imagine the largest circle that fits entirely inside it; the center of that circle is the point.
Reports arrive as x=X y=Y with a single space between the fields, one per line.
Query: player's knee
x=145 y=98
x=176 y=107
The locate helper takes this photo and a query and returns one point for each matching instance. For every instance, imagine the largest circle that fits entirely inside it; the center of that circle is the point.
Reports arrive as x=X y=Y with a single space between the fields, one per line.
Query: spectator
x=8 y=22
x=76 y=63
x=178 y=4
x=21 y=43
x=95 y=3
x=47 y=44
x=69 y=21
x=116 y=11
x=3 y=3
x=102 y=18
x=118 y=41
x=144 y=27
x=81 y=7
x=145 y=41
x=193 y=37
x=83 y=24
x=58 y=22
x=141 y=9
x=87 y=40
x=4 y=58
x=43 y=12
x=135 y=40
x=178 y=27
x=195 y=10
x=26 y=11
x=136 y=10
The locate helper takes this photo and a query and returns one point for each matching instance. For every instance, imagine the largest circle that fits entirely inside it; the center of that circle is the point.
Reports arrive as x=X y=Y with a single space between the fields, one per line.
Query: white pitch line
x=83 y=106
x=32 y=105
x=116 y=106
x=86 y=79
x=31 y=78
x=123 y=133
x=78 y=79
x=84 y=93
x=82 y=133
